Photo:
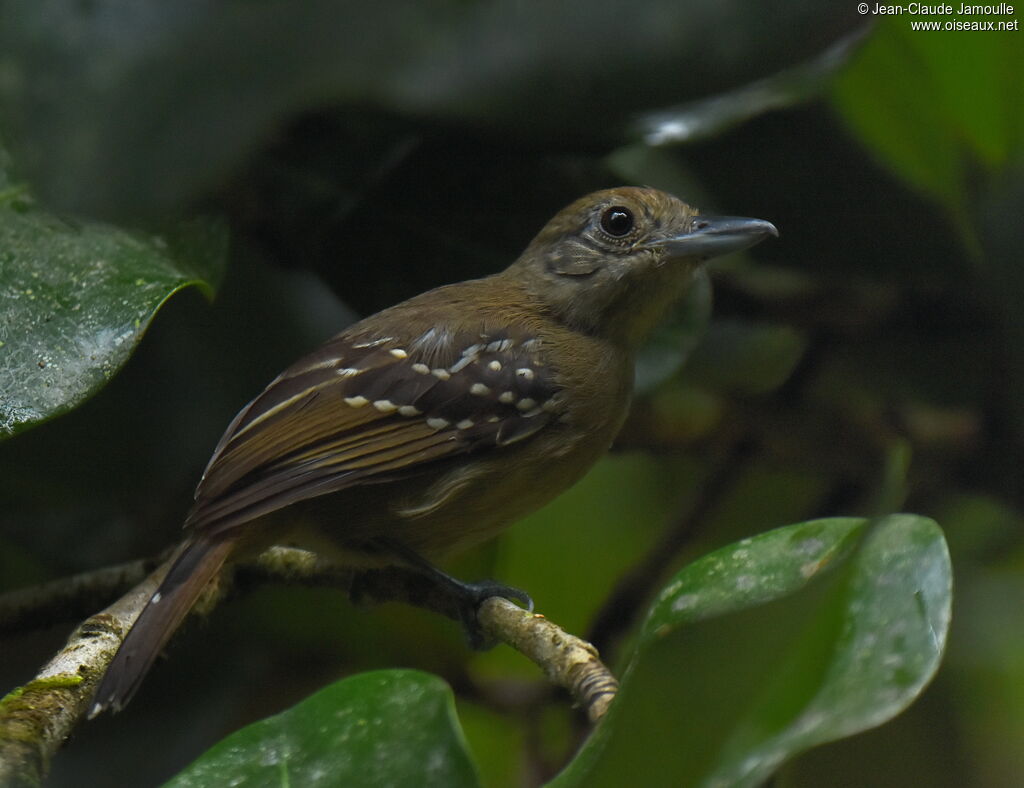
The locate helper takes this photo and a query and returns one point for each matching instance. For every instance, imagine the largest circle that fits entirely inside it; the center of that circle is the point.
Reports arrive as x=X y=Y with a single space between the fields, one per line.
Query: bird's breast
x=474 y=500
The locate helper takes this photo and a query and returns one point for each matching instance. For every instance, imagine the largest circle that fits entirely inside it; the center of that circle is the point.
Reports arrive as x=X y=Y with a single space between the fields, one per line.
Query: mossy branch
x=35 y=719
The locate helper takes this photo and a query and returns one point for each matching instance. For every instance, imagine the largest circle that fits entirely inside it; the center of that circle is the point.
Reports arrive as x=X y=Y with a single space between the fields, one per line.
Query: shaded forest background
x=345 y=156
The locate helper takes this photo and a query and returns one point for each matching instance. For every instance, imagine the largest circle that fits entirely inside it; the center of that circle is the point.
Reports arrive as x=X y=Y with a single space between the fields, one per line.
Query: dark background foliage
x=352 y=155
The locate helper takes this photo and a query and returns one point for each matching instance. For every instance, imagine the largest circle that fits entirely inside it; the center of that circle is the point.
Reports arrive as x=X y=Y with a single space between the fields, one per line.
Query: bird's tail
x=194 y=566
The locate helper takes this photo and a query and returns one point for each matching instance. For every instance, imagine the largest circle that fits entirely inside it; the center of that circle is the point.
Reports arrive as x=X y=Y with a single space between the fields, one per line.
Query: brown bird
x=430 y=426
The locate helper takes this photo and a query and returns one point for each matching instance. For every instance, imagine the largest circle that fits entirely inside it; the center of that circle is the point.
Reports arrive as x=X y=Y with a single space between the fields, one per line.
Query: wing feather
x=368 y=409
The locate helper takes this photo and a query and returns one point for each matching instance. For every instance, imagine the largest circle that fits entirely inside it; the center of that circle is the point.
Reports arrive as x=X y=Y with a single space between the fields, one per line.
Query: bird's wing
x=364 y=409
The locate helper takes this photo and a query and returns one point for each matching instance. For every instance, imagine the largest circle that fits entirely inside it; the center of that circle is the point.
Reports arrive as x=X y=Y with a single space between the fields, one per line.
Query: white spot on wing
x=437 y=424
x=421 y=369
x=356 y=402
x=479 y=389
x=397 y=352
x=409 y=410
x=385 y=406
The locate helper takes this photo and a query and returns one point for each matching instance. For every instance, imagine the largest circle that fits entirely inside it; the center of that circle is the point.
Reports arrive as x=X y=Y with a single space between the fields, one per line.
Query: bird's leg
x=467 y=596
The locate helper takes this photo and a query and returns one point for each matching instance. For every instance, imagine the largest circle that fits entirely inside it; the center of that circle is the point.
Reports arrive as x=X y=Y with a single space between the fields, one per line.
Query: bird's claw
x=473 y=595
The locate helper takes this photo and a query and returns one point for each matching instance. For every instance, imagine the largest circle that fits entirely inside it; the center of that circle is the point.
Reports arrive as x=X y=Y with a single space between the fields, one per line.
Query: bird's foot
x=469 y=597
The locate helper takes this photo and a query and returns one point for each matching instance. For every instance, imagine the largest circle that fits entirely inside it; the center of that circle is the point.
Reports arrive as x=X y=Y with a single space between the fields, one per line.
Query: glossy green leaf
x=385 y=728
x=75 y=299
x=772 y=645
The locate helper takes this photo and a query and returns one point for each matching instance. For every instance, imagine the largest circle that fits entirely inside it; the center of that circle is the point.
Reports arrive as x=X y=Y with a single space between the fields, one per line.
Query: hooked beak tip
x=714 y=236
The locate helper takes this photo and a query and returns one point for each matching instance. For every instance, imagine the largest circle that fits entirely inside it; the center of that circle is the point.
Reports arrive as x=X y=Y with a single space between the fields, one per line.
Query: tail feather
x=194 y=566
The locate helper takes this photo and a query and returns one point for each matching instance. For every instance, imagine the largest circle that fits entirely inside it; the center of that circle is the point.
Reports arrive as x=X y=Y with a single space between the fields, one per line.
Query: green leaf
x=75 y=299
x=955 y=108
x=384 y=728
x=765 y=648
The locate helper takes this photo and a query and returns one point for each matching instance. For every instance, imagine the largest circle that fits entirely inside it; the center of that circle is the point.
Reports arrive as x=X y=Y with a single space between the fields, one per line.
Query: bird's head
x=613 y=262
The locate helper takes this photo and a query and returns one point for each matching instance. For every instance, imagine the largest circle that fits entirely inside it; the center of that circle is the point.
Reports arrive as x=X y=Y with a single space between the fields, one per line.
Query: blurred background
x=344 y=156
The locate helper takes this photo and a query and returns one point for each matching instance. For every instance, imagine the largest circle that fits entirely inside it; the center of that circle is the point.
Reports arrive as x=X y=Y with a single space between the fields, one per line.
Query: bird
x=430 y=426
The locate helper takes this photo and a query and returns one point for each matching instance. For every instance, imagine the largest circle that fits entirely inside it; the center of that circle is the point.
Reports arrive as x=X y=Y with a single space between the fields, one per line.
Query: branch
x=566 y=659
x=36 y=719
x=70 y=598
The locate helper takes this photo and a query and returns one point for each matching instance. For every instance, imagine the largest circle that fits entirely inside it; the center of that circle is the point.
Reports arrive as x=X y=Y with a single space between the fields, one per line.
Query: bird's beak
x=713 y=236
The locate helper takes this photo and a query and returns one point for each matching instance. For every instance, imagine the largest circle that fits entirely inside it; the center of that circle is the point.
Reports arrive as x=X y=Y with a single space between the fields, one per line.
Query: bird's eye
x=617 y=221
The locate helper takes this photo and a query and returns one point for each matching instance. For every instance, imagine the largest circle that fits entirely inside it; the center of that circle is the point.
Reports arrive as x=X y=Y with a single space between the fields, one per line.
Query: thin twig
x=36 y=719
x=69 y=598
